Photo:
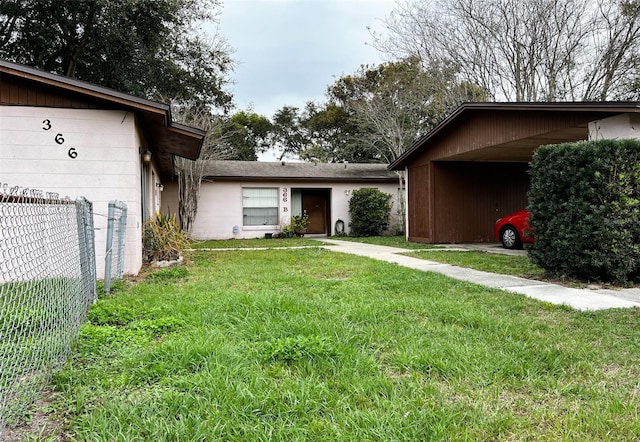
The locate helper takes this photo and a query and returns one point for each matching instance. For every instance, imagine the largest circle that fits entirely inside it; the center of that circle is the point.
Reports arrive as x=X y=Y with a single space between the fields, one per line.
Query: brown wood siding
x=486 y=129
x=17 y=91
x=470 y=197
x=419 y=213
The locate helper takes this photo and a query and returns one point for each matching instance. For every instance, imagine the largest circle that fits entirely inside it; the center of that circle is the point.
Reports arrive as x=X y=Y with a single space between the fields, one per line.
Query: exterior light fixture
x=146 y=156
x=160 y=186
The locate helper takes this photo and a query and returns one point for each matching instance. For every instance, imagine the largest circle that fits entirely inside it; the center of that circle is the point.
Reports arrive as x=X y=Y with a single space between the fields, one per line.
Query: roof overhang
x=299 y=179
x=165 y=137
x=256 y=171
x=520 y=149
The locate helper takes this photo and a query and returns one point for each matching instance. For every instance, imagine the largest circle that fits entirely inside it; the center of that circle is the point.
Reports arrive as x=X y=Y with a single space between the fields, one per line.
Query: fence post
x=109 y=251
x=91 y=245
x=122 y=230
x=86 y=241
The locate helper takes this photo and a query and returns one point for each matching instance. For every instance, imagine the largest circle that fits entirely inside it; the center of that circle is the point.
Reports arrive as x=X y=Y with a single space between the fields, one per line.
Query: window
x=259 y=206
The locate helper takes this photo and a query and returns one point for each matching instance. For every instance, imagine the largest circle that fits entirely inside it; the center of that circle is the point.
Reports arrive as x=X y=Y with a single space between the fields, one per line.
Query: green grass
x=297 y=345
x=488 y=262
x=254 y=243
x=391 y=241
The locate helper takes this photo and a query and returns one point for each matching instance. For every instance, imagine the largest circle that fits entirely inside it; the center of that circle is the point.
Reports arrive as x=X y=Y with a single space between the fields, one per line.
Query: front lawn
x=299 y=345
x=390 y=241
x=488 y=262
x=254 y=243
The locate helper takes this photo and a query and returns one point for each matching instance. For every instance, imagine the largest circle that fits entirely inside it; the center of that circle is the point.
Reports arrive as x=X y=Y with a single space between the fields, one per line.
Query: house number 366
x=59 y=138
x=285 y=198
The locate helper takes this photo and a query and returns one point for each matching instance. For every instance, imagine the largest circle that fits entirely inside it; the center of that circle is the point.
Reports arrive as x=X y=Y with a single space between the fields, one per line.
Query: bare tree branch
x=524 y=50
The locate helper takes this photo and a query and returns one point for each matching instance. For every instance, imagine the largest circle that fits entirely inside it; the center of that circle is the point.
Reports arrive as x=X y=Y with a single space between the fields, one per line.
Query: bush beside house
x=585 y=206
x=370 y=210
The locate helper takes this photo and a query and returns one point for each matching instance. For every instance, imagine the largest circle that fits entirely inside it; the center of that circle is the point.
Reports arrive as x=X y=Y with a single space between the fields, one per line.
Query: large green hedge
x=370 y=210
x=584 y=203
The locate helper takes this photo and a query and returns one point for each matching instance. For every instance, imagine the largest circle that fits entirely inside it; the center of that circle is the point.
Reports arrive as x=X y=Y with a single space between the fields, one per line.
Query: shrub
x=299 y=224
x=163 y=239
x=370 y=210
x=584 y=203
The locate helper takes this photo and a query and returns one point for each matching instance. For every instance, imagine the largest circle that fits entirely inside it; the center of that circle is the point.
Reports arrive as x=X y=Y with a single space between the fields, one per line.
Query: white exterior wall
x=220 y=206
x=107 y=166
x=623 y=126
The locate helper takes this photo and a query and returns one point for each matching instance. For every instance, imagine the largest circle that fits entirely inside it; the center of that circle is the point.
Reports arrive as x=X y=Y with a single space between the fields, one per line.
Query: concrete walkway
x=579 y=299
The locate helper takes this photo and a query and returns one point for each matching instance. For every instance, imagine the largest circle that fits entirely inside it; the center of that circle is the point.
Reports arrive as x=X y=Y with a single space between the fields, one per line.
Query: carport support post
x=109 y=254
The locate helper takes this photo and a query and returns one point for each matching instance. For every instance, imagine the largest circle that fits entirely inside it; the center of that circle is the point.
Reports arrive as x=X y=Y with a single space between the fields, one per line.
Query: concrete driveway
x=484 y=247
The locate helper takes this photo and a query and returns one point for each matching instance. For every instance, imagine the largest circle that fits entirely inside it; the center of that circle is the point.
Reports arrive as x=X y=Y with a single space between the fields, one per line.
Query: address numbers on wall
x=59 y=138
x=285 y=198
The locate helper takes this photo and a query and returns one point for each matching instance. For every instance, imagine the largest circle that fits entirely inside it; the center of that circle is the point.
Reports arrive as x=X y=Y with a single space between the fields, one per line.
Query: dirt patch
x=42 y=424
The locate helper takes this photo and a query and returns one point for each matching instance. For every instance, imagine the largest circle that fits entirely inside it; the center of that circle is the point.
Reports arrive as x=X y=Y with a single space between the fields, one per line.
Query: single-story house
x=62 y=135
x=472 y=168
x=248 y=199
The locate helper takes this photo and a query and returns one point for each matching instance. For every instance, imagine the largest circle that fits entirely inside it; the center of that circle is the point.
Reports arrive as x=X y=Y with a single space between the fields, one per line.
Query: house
x=74 y=138
x=471 y=169
x=248 y=199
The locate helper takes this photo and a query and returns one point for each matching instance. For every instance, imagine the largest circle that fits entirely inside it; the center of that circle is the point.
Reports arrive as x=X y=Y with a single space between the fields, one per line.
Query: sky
x=289 y=51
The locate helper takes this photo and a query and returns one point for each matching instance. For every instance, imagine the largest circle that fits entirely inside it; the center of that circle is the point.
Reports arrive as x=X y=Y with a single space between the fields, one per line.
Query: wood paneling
x=505 y=136
x=472 y=169
x=470 y=197
x=419 y=203
x=16 y=91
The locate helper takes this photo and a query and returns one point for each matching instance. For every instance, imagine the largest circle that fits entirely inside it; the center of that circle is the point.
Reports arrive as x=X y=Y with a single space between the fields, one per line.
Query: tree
x=330 y=131
x=190 y=172
x=394 y=103
x=528 y=50
x=149 y=48
x=288 y=131
x=320 y=132
x=249 y=133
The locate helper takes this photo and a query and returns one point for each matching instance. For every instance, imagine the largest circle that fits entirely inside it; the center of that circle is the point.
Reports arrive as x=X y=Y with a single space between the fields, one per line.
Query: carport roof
x=518 y=149
x=286 y=171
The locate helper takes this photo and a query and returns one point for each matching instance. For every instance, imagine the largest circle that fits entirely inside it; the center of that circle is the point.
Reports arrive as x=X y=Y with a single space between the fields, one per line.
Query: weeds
x=297 y=348
x=312 y=345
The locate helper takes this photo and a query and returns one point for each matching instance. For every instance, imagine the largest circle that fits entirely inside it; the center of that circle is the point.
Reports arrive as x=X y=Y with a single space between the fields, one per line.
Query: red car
x=513 y=230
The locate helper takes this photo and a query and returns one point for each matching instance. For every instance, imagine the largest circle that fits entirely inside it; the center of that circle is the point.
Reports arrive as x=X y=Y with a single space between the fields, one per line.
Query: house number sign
x=285 y=198
x=59 y=138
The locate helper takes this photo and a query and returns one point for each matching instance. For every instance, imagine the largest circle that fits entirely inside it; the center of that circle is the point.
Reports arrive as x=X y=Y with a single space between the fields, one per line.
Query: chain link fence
x=47 y=284
x=114 y=256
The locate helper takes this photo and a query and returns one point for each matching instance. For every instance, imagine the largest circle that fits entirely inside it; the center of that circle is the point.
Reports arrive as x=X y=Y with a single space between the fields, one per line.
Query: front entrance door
x=314 y=203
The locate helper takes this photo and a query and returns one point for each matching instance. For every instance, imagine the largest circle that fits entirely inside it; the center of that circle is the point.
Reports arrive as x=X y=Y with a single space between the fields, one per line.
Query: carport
x=472 y=168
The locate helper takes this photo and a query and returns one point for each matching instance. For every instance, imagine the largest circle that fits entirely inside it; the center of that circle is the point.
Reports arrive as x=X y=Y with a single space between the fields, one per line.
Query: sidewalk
x=579 y=299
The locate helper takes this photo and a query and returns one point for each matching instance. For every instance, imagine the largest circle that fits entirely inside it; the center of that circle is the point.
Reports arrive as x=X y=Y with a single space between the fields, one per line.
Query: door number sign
x=59 y=138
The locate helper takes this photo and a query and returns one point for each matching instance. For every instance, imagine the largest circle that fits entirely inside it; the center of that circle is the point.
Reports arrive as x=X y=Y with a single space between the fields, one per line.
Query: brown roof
x=285 y=171
x=464 y=112
x=26 y=86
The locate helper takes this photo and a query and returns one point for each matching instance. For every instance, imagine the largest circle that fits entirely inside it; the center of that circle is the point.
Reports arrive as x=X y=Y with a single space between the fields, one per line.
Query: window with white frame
x=259 y=206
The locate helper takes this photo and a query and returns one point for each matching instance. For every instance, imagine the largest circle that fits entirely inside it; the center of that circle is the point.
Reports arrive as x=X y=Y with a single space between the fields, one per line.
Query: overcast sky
x=289 y=51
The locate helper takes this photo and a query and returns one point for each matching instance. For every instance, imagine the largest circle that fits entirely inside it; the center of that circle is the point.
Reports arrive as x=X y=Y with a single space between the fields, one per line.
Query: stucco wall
x=621 y=126
x=220 y=206
x=107 y=166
